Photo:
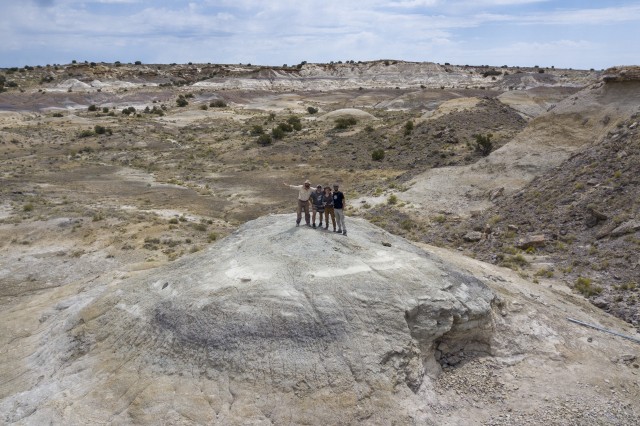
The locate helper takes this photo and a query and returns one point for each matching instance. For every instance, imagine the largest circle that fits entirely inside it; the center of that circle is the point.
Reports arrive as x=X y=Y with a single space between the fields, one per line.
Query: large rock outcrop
x=273 y=324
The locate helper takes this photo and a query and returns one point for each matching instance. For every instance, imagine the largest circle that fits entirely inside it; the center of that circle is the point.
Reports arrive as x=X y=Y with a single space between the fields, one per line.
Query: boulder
x=626 y=228
x=594 y=216
x=531 y=241
x=473 y=236
x=275 y=324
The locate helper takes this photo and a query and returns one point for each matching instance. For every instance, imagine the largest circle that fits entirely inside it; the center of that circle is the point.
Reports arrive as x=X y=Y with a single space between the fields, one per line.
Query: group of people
x=325 y=204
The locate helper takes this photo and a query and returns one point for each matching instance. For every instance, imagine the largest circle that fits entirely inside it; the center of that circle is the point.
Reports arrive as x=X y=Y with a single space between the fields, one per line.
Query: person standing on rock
x=304 y=193
x=338 y=206
x=317 y=203
x=328 y=208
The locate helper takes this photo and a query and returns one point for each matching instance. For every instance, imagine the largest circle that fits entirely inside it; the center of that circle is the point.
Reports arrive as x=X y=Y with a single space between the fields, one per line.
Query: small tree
x=408 y=128
x=484 y=144
x=277 y=133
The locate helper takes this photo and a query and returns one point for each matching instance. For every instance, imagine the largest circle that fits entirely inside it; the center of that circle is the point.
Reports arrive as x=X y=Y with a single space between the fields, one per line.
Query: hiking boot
x=314 y=225
x=344 y=232
x=339 y=231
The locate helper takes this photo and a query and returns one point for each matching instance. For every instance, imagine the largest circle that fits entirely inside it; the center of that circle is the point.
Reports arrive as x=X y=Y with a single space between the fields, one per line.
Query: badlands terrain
x=151 y=272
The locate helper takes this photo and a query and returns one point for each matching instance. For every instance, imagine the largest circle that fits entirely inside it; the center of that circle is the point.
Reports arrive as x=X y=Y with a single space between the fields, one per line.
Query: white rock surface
x=273 y=324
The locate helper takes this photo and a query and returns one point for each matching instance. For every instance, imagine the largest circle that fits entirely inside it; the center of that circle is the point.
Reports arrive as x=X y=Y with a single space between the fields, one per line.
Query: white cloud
x=282 y=30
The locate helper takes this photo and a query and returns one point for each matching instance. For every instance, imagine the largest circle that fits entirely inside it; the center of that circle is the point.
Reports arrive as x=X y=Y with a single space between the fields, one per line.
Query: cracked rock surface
x=274 y=324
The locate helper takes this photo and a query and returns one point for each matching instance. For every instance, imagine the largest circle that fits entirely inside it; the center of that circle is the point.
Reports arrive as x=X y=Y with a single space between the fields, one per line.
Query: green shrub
x=295 y=122
x=264 y=139
x=57 y=114
x=92 y=108
x=312 y=110
x=377 y=154
x=345 y=122
x=484 y=144
x=407 y=224
x=584 y=286
x=204 y=107
x=27 y=207
x=200 y=227
x=129 y=111
x=285 y=127
x=86 y=133
x=277 y=133
x=100 y=130
x=181 y=101
x=515 y=261
x=218 y=103
x=393 y=199
x=408 y=128
x=105 y=110
x=257 y=130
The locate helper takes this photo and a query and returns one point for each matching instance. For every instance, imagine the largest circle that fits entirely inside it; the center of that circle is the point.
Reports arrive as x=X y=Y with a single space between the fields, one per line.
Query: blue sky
x=565 y=33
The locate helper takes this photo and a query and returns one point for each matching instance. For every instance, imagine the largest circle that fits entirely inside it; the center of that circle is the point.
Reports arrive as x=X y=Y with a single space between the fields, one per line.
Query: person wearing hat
x=317 y=203
x=328 y=208
x=338 y=207
x=304 y=193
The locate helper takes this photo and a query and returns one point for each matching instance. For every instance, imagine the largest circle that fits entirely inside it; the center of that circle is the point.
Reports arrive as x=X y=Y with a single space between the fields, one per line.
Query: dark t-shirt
x=338 y=199
x=316 y=199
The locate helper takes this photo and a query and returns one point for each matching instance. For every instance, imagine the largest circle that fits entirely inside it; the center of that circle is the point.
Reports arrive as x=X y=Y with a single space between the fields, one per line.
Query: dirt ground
x=86 y=192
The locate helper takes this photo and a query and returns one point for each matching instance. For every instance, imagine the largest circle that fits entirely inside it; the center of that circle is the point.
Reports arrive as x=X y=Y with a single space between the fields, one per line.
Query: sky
x=579 y=34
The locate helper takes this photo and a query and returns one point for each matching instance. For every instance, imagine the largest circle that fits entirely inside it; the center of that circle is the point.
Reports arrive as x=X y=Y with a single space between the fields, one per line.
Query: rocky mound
x=580 y=220
x=587 y=214
x=274 y=324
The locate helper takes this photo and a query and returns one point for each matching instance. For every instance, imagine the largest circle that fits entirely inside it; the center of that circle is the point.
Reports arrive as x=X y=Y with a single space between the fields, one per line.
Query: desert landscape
x=151 y=271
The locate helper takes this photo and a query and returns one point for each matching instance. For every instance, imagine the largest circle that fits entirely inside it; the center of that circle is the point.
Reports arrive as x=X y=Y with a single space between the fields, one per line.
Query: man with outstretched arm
x=304 y=192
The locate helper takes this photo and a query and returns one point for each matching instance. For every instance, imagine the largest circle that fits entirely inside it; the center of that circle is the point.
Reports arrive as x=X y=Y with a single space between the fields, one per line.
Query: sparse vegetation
x=585 y=287
x=408 y=128
x=484 y=144
x=182 y=101
x=377 y=154
x=343 y=123
x=218 y=103
x=265 y=139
